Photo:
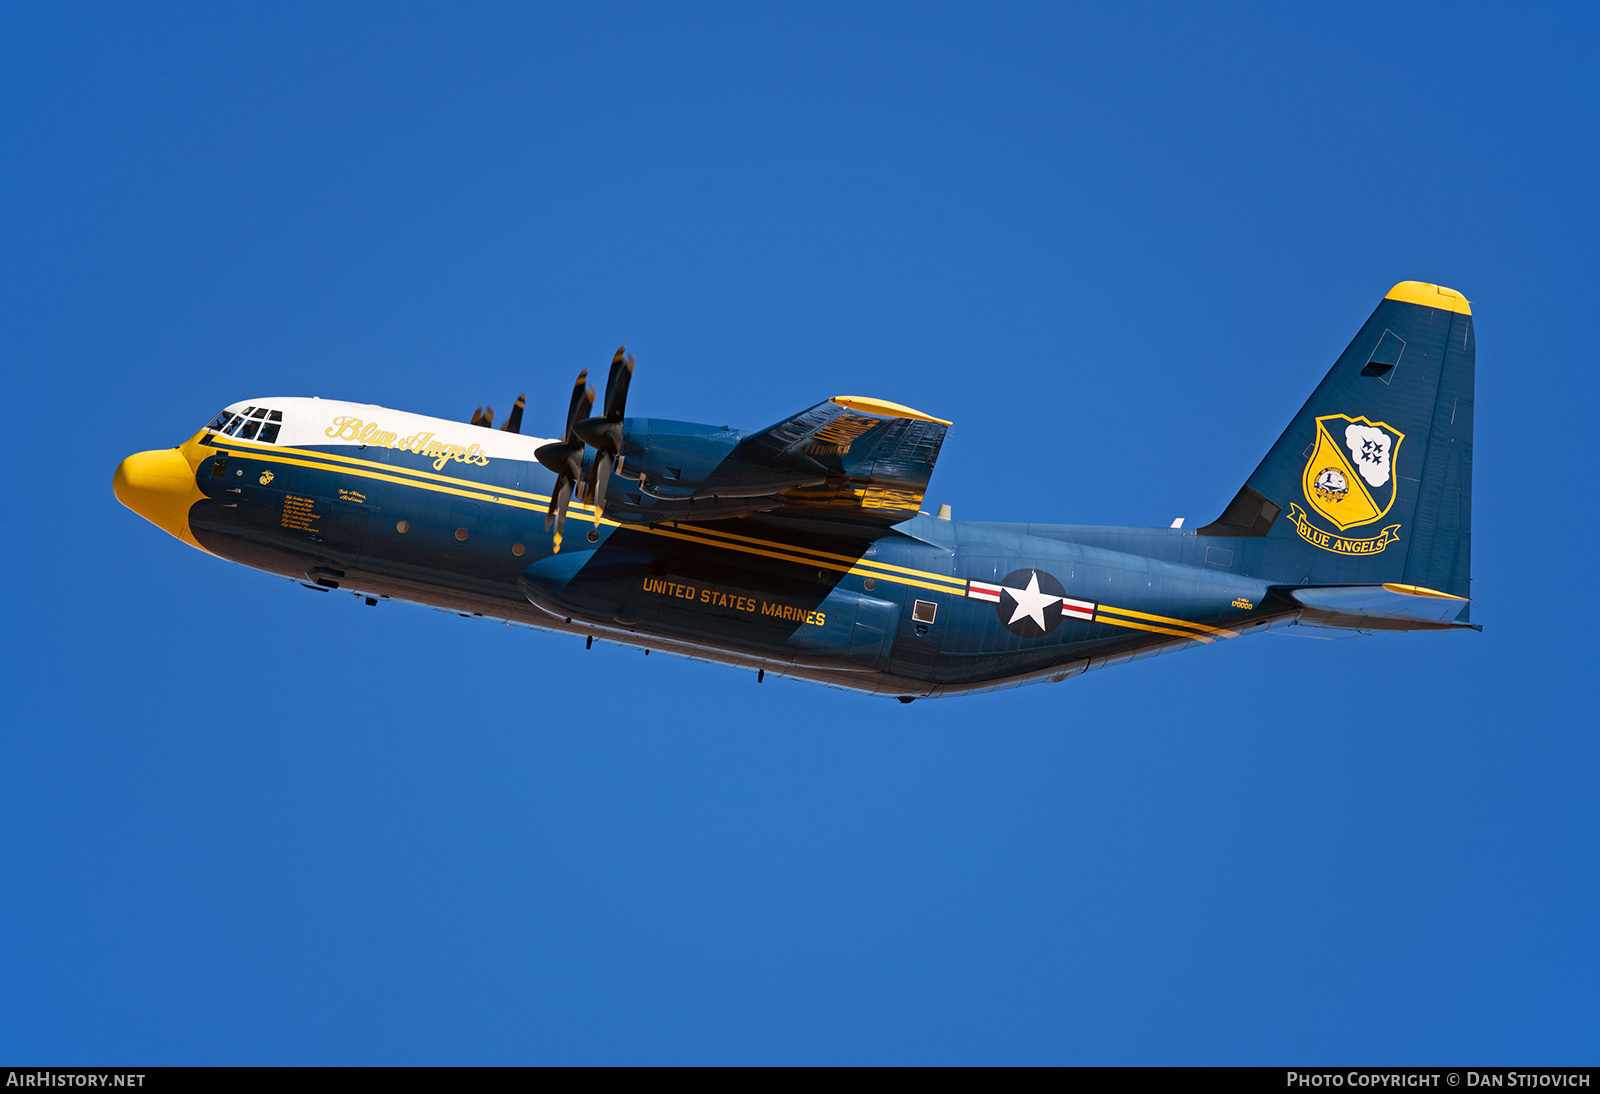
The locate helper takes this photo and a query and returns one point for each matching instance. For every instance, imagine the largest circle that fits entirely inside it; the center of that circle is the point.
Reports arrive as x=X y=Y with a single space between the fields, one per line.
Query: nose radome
x=160 y=487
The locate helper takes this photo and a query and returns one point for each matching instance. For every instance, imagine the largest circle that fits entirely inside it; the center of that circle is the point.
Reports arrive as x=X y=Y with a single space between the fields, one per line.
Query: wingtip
x=869 y=405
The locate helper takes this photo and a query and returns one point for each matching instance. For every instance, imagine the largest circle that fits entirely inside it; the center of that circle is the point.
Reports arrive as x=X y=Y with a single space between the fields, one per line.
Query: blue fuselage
x=924 y=607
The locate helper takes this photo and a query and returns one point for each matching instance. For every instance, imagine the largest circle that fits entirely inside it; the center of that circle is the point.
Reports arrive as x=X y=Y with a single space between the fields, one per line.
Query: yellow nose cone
x=160 y=487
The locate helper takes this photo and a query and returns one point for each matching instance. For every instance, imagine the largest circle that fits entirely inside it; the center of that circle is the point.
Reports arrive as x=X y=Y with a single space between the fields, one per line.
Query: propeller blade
x=483 y=416
x=617 y=385
x=582 y=400
x=564 y=498
x=604 y=433
x=599 y=477
x=557 y=513
x=514 y=419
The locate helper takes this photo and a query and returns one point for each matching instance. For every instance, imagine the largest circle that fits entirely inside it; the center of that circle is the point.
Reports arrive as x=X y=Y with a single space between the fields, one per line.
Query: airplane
x=802 y=549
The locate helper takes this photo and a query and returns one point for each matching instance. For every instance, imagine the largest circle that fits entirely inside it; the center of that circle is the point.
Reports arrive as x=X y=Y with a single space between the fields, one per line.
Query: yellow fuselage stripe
x=1153 y=629
x=274 y=452
x=1219 y=631
x=843 y=567
x=956 y=584
x=705 y=537
x=479 y=492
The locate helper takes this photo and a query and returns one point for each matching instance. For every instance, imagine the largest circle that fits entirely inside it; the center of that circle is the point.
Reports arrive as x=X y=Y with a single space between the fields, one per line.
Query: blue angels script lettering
x=348 y=428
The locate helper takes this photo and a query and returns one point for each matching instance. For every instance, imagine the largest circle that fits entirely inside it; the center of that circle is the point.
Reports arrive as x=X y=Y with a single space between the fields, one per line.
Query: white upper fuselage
x=320 y=423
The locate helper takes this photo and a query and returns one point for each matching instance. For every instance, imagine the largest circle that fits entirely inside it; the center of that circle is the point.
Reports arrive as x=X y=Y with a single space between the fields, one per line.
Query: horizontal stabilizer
x=1376 y=607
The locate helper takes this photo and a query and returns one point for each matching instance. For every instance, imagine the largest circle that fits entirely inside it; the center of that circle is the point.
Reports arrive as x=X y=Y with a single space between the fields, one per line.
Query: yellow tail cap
x=1430 y=296
x=160 y=487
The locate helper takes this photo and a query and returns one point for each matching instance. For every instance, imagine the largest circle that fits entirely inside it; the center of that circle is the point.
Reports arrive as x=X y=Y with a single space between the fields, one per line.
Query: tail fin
x=1372 y=481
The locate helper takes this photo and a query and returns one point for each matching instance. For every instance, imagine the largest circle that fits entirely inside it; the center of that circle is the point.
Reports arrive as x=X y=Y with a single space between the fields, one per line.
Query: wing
x=875 y=457
x=850 y=457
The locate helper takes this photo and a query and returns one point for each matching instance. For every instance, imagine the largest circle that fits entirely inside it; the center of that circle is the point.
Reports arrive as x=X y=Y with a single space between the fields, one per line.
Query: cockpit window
x=254 y=423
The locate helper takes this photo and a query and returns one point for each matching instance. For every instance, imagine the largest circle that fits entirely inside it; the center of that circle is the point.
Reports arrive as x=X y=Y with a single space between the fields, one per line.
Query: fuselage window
x=248 y=433
x=233 y=427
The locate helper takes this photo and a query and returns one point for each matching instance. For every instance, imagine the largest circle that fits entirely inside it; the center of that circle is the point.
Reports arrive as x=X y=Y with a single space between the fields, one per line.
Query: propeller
x=484 y=416
x=604 y=433
x=564 y=457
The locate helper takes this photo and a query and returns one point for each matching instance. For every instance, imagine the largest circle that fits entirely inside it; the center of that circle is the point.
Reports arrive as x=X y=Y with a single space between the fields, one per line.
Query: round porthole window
x=461 y=533
x=403 y=527
x=869 y=584
x=517 y=549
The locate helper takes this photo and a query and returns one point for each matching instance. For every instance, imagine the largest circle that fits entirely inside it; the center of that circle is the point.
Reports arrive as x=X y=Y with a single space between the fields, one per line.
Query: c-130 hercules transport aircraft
x=801 y=548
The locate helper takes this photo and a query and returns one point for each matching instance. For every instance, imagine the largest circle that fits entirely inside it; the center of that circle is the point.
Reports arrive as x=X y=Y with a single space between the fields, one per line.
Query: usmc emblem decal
x=1349 y=480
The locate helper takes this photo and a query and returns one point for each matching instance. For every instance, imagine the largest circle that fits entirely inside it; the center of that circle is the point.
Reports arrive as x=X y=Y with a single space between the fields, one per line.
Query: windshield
x=254 y=423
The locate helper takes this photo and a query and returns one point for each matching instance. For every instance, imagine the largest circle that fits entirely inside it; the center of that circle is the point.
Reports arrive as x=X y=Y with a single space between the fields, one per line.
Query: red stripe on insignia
x=1078 y=609
x=980 y=590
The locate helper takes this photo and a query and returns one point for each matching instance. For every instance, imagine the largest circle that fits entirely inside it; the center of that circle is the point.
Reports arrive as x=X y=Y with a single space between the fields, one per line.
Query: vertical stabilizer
x=1372 y=481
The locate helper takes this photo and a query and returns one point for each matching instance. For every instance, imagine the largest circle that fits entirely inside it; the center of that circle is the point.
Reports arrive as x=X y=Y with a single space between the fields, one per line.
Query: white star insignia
x=1031 y=603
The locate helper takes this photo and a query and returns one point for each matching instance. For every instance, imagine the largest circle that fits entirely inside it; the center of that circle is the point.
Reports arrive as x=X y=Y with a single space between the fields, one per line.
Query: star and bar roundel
x=1031 y=603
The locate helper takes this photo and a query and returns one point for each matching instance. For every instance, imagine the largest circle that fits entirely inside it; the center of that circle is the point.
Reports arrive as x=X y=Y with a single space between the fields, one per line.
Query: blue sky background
x=1119 y=245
